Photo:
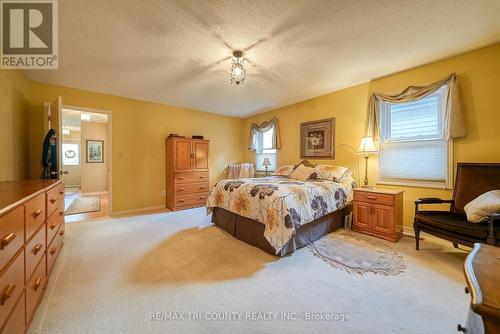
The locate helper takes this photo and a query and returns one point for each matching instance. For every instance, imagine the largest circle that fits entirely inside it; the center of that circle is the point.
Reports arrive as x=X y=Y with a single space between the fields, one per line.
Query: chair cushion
x=452 y=222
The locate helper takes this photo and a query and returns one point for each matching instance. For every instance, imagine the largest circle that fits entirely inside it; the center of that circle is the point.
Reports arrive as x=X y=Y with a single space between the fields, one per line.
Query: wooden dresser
x=187 y=173
x=378 y=212
x=31 y=236
x=482 y=273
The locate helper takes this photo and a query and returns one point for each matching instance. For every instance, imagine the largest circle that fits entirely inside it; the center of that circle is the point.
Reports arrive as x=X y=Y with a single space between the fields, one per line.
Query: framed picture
x=95 y=151
x=317 y=139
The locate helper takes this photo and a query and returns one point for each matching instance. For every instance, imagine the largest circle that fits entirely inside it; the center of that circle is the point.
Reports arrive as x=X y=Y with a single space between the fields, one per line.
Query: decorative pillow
x=301 y=173
x=284 y=170
x=478 y=209
x=305 y=163
x=330 y=172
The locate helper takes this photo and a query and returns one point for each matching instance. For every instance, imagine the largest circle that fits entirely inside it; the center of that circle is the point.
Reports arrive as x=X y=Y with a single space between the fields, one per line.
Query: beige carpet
x=113 y=273
x=84 y=204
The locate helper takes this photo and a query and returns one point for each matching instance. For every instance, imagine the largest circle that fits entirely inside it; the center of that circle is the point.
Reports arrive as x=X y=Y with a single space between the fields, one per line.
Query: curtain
x=256 y=129
x=454 y=120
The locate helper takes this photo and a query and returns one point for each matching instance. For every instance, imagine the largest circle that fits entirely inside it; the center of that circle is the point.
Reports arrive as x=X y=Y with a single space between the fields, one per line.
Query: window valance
x=256 y=131
x=454 y=120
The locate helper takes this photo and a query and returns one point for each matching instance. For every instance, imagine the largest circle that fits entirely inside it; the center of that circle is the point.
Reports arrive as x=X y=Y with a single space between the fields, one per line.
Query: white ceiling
x=171 y=51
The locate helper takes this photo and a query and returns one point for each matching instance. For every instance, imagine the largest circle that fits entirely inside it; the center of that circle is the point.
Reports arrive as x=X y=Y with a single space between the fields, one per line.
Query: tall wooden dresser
x=31 y=236
x=187 y=173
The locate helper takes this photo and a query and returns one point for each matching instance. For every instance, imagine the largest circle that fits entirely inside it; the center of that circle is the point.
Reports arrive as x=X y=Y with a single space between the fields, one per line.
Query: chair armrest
x=431 y=200
x=492 y=218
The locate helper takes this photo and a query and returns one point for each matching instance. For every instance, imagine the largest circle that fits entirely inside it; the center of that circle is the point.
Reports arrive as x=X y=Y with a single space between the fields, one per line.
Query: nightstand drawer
x=375 y=198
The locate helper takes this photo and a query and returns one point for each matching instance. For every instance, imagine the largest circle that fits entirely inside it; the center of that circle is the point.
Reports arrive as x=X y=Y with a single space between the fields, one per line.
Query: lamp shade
x=367 y=145
x=266 y=162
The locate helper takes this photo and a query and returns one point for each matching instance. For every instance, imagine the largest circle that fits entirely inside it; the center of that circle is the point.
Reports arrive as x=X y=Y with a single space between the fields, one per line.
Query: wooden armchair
x=473 y=179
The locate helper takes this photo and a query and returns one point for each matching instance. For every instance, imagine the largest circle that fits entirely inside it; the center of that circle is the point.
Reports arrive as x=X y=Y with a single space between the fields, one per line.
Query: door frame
x=108 y=146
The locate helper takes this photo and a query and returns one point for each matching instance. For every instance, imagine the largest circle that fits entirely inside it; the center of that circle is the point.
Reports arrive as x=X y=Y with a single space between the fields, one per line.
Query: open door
x=54 y=119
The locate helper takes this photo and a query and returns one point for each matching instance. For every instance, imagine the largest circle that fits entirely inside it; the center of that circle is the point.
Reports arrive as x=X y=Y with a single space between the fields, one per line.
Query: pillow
x=478 y=209
x=284 y=170
x=301 y=173
x=330 y=172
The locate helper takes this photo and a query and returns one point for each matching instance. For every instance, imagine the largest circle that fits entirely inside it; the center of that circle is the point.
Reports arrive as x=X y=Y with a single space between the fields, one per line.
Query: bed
x=278 y=214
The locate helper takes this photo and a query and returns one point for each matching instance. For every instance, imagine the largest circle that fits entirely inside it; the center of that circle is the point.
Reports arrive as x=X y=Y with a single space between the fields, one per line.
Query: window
x=265 y=150
x=413 y=150
x=71 y=154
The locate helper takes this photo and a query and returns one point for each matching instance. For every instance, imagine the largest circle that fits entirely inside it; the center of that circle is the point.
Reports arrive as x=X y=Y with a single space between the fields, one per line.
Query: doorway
x=85 y=164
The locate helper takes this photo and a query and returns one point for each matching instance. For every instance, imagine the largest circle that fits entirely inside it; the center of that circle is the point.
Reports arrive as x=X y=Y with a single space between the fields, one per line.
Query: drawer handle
x=37 y=248
x=53 y=250
x=202 y=197
x=53 y=226
x=372 y=198
x=202 y=176
x=61 y=193
x=61 y=213
x=37 y=213
x=181 y=201
x=202 y=187
x=7 y=293
x=7 y=240
x=37 y=283
x=181 y=177
x=61 y=233
x=53 y=201
x=181 y=189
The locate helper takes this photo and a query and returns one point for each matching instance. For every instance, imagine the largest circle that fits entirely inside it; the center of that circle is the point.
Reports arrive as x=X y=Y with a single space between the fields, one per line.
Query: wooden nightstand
x=378 y=212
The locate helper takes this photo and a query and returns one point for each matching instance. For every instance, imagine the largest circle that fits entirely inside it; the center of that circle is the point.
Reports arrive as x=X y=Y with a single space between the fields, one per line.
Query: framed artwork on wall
x=317 y=139
x=95 y=151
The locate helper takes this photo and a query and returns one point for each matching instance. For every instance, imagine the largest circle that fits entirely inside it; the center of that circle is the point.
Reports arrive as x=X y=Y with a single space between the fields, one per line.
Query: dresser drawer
x=34 y=288
x=376 y=198
x=11 y=234
x=181 y=200
x=191 y=177
x=35 y=214
x=16 y=322
x=11 y=286
x=53 y=252
x=35 y=250
x=55 y=220
x=190 y=188
x=53 y=196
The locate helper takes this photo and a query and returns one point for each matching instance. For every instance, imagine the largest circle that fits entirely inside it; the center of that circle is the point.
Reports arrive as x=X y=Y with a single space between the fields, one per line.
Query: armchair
x=473 y=179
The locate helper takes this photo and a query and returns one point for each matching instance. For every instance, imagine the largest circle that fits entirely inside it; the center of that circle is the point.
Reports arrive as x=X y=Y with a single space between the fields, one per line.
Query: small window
x=71 y=154
x=413 y=150
x=266 y=151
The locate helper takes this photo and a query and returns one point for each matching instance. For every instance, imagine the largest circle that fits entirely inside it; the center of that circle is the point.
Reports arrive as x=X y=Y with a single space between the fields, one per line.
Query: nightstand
x=378 y=212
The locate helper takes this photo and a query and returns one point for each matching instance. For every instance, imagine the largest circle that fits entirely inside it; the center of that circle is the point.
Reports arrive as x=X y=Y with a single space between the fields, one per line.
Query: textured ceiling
x=171 y=51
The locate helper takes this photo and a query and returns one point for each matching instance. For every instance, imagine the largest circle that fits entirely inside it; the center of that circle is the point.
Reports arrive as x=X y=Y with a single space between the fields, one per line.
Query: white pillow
x=301 y=173
x=478 y=209
x=330 y=172
x=284 y=170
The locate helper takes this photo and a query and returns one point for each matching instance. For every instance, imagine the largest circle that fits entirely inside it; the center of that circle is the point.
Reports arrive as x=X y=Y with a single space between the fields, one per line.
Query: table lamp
x=367 y=146
x=266 y=163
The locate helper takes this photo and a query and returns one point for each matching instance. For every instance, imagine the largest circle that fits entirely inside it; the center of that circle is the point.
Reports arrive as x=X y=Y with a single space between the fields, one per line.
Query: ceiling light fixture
x=85 y=116
x=238 y=73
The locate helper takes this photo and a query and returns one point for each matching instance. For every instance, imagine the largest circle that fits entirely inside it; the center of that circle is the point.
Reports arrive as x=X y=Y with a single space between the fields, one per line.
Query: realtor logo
x=29 y=34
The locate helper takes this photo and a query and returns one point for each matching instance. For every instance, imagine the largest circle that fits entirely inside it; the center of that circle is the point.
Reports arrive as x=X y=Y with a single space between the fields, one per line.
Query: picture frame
x=317 y=139
x=95 y=151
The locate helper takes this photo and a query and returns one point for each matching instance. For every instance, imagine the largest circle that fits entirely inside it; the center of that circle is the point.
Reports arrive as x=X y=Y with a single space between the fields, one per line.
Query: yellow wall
x=479 y=77
x=139 y=130
x=14 y=98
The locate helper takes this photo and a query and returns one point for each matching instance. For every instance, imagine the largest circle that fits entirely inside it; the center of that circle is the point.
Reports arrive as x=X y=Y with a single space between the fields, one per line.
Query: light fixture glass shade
x=367 y=145
x=266 y=162
x=238 y=73
x=85 y=116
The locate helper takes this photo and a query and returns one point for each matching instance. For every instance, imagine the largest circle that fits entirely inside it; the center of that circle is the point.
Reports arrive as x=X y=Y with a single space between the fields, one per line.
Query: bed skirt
x=252 y=232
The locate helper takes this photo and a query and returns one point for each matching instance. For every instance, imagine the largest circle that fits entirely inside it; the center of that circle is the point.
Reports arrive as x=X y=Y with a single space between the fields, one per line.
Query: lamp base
x=365 y=186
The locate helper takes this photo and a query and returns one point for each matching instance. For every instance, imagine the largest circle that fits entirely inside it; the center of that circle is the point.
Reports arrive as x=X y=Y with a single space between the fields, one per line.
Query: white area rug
x=84 y=204
x=358 y=253
x=112 y=274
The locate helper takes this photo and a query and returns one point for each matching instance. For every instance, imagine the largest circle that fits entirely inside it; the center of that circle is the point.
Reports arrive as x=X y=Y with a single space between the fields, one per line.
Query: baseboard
x=145 y=209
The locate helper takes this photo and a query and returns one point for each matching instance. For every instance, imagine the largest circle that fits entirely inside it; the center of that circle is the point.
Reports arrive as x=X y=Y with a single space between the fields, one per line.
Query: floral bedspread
x=280 y=203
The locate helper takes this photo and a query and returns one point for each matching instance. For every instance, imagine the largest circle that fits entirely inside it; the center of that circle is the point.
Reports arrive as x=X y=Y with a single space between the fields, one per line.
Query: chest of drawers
x=31 y=226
